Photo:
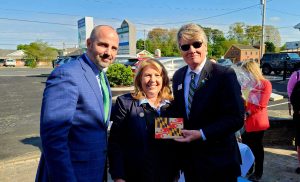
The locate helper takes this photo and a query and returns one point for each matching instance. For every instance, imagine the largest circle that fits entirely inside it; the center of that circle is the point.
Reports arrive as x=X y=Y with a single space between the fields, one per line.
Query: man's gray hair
x=191 y=31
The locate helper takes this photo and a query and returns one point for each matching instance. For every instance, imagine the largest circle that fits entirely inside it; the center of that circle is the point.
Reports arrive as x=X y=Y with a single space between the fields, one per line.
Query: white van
x=9 y=62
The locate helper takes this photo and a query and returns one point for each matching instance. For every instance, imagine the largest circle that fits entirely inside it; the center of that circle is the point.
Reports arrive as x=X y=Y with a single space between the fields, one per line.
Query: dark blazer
x=73 y=134
x=218 y=110
x=134 y=154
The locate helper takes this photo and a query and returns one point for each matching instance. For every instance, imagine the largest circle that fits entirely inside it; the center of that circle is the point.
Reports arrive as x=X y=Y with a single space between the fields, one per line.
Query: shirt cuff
x=202 y=135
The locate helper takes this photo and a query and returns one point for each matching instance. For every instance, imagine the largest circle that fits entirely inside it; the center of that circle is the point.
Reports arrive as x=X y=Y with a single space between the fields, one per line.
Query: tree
x=163 y=39
x=272 y=35
x=38 y=51
x=270 y=47
x=253 y=34
x=236 y=32
x=140 y=44
x=213 y=35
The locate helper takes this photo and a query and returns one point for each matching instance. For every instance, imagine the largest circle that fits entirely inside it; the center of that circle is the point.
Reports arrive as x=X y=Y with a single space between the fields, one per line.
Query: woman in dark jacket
x=134 y=153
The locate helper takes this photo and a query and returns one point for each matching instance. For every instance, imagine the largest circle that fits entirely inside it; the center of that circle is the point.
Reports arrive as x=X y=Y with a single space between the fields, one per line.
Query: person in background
x=257 y=120
x=295 y=77
x=208 y=97
x=134 y=154
x=75 y=114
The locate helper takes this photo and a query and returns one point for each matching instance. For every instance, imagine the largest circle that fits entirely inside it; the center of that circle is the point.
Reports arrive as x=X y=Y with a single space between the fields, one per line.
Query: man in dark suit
x=208 y=97
x=75 y=113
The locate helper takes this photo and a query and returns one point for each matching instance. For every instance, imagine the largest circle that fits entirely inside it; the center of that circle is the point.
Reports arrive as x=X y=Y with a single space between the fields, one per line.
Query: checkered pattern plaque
x=167 y=128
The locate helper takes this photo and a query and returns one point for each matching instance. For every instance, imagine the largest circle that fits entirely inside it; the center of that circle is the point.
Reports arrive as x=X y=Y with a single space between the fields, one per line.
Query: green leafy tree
x=283 y=47
x=119 y=75
x=38 y=51
x=237 y=32
x=270 y=47
x=213 y=35
x=253 y=34
x=140 y=44
x=163 y=39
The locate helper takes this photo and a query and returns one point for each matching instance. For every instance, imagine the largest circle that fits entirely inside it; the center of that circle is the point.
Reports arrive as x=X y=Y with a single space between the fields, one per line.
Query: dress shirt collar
x=145 y=101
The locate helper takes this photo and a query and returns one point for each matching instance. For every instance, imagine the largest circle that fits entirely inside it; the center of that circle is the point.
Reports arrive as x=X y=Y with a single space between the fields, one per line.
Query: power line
x=33 y=21
x=214 y=16
x=284 y=12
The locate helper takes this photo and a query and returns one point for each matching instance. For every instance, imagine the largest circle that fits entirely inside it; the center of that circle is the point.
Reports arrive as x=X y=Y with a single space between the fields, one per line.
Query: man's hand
x=189 y=135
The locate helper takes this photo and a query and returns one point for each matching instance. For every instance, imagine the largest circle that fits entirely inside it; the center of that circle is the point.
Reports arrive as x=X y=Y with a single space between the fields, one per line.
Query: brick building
x=239 y=53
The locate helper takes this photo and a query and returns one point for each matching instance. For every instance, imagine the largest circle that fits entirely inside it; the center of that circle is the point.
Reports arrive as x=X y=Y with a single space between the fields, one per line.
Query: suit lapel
x=93 y=82
x=180 y=89
x=205 y=75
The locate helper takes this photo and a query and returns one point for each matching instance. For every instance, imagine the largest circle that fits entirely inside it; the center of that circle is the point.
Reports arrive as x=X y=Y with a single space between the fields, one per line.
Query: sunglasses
x=186 y=47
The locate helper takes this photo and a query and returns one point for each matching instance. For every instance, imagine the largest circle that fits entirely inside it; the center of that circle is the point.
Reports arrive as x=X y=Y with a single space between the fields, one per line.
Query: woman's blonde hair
x=252 y=67
x=165 y=92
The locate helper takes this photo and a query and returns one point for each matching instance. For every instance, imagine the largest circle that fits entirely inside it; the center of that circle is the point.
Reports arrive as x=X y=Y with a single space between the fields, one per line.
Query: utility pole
x=262 y=40
x=144 y=39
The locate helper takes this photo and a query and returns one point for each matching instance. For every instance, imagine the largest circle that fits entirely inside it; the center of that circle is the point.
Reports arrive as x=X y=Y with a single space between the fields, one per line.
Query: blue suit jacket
x=73 y=134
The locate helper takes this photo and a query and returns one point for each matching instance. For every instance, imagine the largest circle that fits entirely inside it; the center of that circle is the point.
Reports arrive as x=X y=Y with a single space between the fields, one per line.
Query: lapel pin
x=141 y=114
x=179 y=87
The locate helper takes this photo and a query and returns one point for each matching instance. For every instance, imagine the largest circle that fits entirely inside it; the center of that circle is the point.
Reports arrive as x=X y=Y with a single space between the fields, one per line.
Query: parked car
x=63 y=60
x=9 y=62
x=122 y=58
x=133 y=62
x=225 y=62
x=275 y=62
x=172 y=64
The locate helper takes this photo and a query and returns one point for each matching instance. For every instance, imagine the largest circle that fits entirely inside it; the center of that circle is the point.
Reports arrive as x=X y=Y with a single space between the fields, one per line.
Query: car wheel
x=277 y=72
x=266 y=69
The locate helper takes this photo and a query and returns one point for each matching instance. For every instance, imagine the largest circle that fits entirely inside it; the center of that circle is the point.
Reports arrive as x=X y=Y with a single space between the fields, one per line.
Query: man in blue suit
x=75 y=114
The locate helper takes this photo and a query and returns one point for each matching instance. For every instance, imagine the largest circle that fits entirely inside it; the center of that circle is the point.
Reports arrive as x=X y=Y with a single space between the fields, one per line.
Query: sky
x=55 y=21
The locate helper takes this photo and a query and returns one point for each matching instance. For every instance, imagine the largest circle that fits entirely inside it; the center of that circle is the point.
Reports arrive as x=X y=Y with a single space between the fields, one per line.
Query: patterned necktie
x=105 y=95
x=191 y=92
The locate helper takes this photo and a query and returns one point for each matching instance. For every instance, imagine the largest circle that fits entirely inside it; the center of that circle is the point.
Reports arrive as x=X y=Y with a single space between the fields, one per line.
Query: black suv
x=275 y=62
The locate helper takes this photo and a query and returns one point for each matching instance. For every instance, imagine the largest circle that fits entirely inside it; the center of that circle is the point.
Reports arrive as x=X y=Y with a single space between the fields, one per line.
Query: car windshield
x=293 y=55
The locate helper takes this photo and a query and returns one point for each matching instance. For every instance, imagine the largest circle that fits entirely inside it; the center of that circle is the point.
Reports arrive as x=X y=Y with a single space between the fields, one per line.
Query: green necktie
x=105 y=95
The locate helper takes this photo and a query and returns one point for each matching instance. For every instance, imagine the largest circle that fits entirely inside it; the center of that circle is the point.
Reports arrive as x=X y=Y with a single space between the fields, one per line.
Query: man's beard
x=103 y=64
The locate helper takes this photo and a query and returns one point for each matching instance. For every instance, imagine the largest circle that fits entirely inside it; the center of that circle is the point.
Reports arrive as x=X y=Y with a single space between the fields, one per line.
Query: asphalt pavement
x=20 y=97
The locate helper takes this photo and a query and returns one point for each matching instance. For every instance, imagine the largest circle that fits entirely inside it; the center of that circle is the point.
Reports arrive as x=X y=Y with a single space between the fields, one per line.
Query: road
x=21 y=94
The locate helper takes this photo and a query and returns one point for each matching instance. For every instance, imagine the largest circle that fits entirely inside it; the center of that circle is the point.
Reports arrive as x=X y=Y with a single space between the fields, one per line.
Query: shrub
x=119 y=75
x=31 y=63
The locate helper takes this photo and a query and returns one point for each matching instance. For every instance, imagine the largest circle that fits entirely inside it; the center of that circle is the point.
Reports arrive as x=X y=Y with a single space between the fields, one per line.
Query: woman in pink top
x=296 y=115
x=257 y=120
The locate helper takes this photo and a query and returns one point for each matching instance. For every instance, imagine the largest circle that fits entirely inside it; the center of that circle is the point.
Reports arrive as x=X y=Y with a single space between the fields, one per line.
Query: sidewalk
x=279 y=166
